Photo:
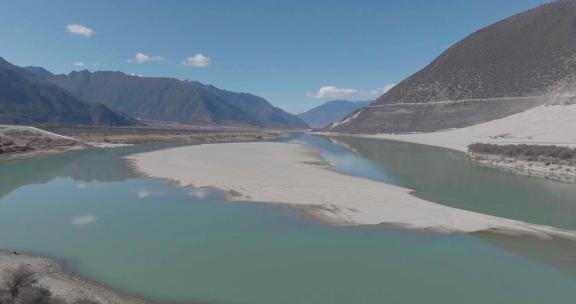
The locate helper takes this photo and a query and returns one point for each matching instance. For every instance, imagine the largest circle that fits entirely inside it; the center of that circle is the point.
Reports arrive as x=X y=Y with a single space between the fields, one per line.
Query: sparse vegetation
x=136 y=135
x=17 y=139
x=19 y=285
x=7 y=145
x=538 y=153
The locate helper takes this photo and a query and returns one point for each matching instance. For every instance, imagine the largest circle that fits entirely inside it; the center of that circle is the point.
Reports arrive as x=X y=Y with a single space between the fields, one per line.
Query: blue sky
x=284 y=51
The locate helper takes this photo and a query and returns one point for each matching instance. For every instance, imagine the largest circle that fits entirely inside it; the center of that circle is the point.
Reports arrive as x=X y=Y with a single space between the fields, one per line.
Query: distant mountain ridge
x=331 y=111
x=26 y=98
x=502 y=68
x=258 y=108
x=170 y=99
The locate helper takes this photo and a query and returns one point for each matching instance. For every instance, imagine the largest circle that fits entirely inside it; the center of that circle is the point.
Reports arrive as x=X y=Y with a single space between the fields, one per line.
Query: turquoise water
x=447 y=177
x=165 y=243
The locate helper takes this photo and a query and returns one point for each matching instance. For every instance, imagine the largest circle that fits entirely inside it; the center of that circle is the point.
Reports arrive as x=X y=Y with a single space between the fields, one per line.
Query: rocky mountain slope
x=169 y=99
x=505 y=68
x=26 y=98
x=331 y=111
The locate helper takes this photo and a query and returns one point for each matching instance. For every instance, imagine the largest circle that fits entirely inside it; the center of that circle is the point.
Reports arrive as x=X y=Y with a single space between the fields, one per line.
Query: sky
x=296 y=54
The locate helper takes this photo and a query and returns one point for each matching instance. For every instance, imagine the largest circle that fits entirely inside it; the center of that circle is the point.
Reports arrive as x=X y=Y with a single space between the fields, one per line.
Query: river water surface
x=165 y=243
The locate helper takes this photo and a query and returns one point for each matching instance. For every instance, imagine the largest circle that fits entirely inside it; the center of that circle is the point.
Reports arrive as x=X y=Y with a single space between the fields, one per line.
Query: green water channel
x=165 y=243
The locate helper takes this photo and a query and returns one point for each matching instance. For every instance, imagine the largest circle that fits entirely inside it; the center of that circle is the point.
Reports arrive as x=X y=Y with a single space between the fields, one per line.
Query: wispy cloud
x=82 y=220
x=78 y=29
x=335 y=92
x=197 y=61
x=78 y=64
x=142 y=58
x=143 y=193
x=382 y=90
x=199 y=193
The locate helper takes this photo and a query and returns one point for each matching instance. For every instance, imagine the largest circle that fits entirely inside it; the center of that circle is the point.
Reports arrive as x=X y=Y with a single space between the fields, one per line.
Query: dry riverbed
x=296 y=174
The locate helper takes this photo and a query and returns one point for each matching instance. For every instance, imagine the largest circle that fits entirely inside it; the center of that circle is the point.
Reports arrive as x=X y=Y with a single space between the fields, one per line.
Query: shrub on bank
x=526 y=152
x=19 y=285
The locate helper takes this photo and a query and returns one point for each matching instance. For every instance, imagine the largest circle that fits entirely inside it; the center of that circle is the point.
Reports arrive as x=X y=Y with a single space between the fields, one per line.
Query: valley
x=288 y=152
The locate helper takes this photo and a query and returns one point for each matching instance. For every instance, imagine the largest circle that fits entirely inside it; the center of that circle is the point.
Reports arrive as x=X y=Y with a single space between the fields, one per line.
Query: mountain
x=257 y=107
x=26 y=98
x=331 y=111
x=507 y=67
x=169 y=99
x=38 y=71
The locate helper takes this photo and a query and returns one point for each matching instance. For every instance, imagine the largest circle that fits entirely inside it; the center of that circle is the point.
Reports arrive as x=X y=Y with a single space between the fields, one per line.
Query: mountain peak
x=170 y=99
x=499 y=70
x=26 y=98
x=38 y=71
x=331 y=111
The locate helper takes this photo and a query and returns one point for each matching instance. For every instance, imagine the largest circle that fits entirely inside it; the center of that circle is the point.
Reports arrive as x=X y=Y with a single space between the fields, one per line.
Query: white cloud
x=197 y=61
x=78 y=64
x=142 y=58
x=335 y=92
x=81 y=185
x=80 y=30
x=82 y=220
x=199 y=193
x=143 y=193
x=382 y=90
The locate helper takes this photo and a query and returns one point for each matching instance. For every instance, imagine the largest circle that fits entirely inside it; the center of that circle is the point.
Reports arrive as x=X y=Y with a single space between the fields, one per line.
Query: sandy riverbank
x=296 y=174
x=544 y=125
x=61 y=282
x=28 y=142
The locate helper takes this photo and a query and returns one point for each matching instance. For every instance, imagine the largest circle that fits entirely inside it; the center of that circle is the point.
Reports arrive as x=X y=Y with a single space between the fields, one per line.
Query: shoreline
x=555 y=172
x=560 y=173
x=296 y=175
x=81 y=138
x=63 y=282
x=541 y=125
x=41 y=153
x=55 y=274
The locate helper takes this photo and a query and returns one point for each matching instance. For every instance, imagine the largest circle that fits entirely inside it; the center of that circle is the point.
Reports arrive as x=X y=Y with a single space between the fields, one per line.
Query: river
x=151 y=239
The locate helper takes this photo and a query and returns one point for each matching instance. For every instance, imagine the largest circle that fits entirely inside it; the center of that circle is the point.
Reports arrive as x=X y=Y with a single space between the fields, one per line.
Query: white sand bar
x=545 y=125
x=296 y=174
